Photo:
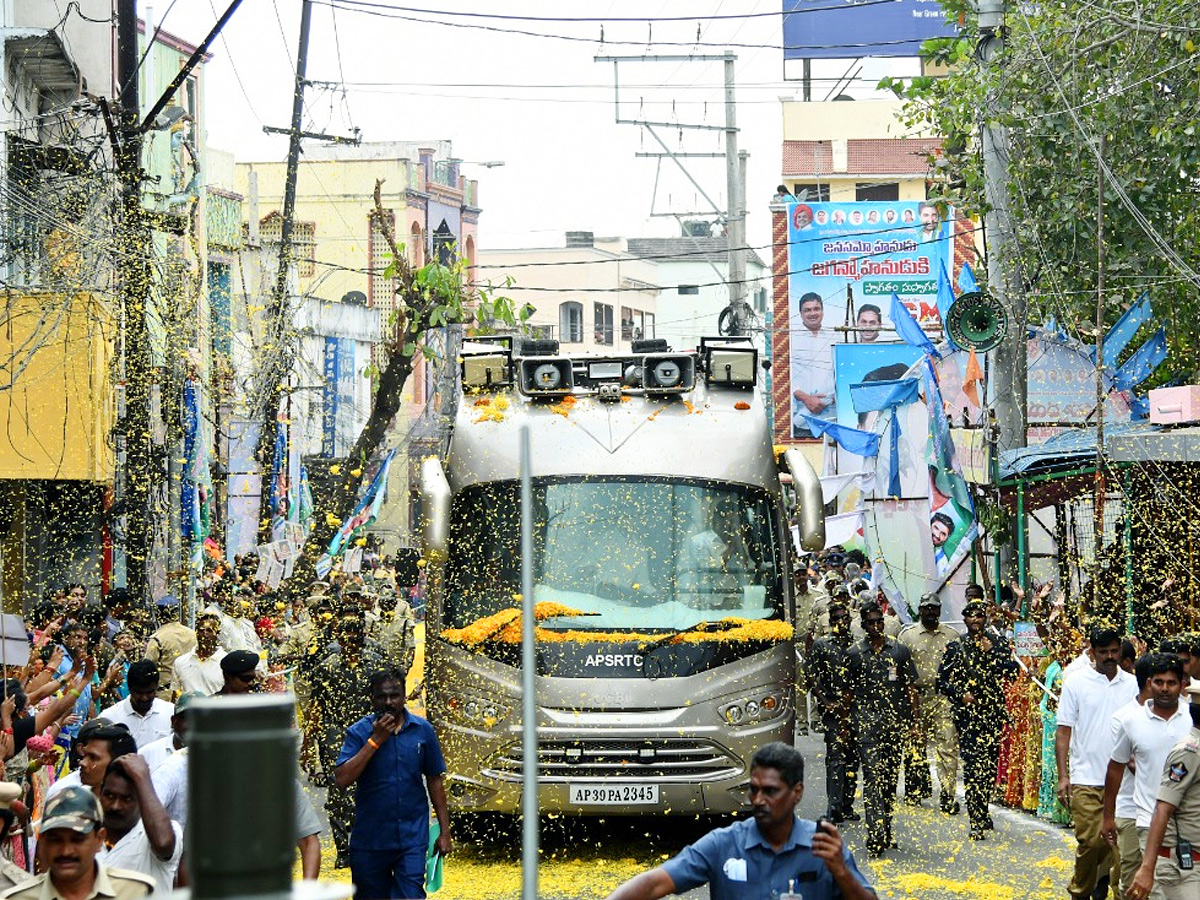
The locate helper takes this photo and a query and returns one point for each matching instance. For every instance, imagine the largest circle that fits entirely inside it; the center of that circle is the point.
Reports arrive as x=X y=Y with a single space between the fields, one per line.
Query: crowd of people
x=95 y=725
x=1091 y=734
x=94 y=731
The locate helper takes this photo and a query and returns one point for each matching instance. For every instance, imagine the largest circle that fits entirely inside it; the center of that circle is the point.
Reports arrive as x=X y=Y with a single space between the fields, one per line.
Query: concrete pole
x=1009 y=374
x=735 y=206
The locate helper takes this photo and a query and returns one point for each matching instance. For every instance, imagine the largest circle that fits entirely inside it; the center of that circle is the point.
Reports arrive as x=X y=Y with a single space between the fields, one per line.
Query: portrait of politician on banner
x=873 y=249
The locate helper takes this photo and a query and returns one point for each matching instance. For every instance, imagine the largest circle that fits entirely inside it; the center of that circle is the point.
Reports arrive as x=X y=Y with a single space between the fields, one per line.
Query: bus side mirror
x=435 y=509
x=810 y=503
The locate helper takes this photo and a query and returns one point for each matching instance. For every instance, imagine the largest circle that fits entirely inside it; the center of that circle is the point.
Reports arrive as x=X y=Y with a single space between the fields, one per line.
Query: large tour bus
x=665 y=652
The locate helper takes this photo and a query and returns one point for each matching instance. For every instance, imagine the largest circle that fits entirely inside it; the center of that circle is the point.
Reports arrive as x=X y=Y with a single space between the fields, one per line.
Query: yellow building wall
x=844 y=120
x=56 y=399
x=338 y=198
x=842 y=190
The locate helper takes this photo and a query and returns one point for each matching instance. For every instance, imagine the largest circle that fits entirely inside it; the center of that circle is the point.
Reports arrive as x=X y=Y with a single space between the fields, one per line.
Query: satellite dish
x=357 y=297
x=976 y=320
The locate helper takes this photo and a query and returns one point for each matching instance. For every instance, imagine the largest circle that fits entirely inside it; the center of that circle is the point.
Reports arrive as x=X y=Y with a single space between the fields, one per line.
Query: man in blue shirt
x=771 y=855
x=386 y=755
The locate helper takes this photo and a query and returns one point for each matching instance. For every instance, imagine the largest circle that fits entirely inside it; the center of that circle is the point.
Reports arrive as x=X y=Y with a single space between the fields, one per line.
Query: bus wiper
x=698 y=628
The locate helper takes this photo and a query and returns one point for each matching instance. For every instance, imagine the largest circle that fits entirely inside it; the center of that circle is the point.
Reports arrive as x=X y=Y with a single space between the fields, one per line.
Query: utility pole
x=1009 y=369
x=735 y=240
x=1101 y=264
x=133 y=268
x=276 y=366
x=733 y=216
x=141 y=472
x=279 y=349
x=1009 y=366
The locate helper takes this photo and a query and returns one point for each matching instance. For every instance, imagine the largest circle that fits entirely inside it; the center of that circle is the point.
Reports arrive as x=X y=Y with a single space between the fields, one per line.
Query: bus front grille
x=684 y=760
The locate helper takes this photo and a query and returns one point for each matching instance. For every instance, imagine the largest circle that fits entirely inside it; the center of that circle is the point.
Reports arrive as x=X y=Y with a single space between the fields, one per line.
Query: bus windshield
x=629 y=555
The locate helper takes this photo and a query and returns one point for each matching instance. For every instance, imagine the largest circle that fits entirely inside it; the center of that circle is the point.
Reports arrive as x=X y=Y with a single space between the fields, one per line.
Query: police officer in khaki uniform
x=172 y=640
x=1171 y=860
x=71 y=836
x=927 y=640
x=395 y=629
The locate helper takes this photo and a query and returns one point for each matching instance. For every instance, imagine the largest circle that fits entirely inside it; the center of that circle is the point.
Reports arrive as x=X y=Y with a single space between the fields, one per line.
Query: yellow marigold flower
x=335 y=469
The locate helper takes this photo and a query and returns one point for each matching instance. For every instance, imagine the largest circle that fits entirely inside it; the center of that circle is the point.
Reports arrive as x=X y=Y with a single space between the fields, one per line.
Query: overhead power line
x=387 y=13
x=375 y=4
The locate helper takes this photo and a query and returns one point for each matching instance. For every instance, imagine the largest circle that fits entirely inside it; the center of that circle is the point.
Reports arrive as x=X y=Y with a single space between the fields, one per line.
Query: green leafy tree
x=434 y=295
x=1072 y=74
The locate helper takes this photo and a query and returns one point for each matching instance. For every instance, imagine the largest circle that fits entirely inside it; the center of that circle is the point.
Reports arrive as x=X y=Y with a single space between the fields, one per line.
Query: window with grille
x=382 y=295
x=878 y=193
x=304 y=241
x=811 y=193
x=602 y=315
x=633 y=324
x=570 y=322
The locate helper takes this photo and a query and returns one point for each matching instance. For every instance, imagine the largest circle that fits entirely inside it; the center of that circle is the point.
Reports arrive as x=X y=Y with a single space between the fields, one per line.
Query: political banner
x=862 y=364
x=867 y=250
x=951 y=510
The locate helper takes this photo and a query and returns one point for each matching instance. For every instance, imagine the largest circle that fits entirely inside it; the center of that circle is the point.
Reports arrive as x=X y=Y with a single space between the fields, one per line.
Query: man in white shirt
x=146 y=716
x=170 y=782
x=1144 y=733
x=1083 y=744
x=139 y=835
x=160 y=751
x=812 y=366
x=237 y=631
x=199 y=671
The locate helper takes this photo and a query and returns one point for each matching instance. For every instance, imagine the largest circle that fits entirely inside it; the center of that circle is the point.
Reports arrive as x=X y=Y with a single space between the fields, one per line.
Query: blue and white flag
x=887 y=395
x=966 y=280
x=1142 y=364
x=365 y=512
x=945 y=299
x=860 y=443
x=1126 y=327
x=909 y=330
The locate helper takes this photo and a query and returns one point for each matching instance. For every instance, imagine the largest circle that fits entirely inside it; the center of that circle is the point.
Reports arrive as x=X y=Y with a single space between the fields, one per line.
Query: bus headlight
x=757 y=707
x=473 y=711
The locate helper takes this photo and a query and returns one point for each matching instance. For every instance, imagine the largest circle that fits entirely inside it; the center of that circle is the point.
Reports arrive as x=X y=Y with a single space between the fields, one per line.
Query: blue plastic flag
x=945 y=299
x=1126 y=327
x=189 y=510
x=966 y=280
x=874 y=395
x=908 y=329
x=365 y=512
x=887 y=395
x=860 y=443
x=1142 y=364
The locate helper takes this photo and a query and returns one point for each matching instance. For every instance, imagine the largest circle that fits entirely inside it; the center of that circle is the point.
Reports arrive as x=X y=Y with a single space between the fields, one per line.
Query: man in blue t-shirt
x=771 y=855
x=386 y=755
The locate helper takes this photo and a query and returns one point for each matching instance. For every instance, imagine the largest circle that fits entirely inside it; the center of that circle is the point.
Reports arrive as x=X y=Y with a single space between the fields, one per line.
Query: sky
x=540 y=104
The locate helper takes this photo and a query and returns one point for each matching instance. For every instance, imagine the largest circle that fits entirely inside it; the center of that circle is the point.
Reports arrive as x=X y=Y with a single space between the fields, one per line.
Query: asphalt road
x=584 y=858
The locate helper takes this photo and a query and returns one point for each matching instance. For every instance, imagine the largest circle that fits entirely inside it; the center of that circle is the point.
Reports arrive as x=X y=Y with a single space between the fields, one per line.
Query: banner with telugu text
x=868 y=250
